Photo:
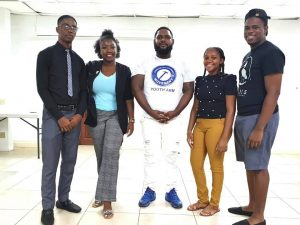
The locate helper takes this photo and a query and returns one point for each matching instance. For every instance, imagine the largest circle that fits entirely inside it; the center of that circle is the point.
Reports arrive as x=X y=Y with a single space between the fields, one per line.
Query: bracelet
x=131 y=120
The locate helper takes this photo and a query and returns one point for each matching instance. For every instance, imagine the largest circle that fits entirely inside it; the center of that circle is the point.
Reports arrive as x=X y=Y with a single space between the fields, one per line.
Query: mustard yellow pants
x=206 y=136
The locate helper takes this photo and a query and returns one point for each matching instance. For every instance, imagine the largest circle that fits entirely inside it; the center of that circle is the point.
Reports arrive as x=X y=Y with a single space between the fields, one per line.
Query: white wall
x=30 y=34
x=5 y=46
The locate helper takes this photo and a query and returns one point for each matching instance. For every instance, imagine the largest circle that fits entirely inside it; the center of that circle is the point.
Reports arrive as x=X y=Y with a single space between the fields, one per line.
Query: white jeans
x=161 y=143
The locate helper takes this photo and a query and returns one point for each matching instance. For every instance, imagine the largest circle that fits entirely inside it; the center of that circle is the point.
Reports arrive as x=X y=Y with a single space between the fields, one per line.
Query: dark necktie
x=69 y=63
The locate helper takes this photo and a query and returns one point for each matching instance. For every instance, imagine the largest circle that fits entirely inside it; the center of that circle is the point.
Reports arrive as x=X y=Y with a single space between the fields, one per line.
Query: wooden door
x=85 y=138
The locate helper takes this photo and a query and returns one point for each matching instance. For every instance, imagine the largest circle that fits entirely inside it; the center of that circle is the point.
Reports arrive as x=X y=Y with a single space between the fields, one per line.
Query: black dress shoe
x=245 y=222
x=47 y=217
x=239 y=211
x=69 y=206
x=242 y=222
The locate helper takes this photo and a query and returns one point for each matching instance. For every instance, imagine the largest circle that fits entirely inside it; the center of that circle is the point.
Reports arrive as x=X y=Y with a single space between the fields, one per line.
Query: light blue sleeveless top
x=104 y=89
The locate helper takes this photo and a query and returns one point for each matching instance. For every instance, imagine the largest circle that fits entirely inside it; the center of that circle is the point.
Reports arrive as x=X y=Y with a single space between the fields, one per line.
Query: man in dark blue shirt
x=61 y=84
x=258 y=117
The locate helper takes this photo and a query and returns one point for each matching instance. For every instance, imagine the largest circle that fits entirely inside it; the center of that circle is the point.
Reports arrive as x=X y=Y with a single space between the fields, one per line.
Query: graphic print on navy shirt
x=163 y=75
x=245 y=75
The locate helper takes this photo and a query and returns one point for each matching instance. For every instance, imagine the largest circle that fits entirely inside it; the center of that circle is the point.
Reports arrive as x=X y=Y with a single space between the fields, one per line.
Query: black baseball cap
x=259 y=13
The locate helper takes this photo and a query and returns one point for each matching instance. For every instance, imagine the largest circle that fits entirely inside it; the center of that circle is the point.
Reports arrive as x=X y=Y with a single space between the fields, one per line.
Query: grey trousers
x=54 y=144
x=107 y=137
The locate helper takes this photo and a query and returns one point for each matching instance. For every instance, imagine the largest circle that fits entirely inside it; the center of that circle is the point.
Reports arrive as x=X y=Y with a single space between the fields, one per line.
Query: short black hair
x=160 y=28
x=106 y=34
x=259 y=13
x=61 y=18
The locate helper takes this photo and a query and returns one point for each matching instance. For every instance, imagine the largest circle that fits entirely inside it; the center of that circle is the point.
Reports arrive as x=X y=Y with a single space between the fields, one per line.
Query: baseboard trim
x=25 y=144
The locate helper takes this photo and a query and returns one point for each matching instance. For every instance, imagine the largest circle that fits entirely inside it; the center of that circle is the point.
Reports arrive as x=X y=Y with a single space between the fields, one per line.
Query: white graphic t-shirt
x=163 y=81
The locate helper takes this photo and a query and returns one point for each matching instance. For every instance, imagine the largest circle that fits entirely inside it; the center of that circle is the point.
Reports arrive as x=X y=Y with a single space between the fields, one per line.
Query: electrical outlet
x=2 y=134
x=2 y=101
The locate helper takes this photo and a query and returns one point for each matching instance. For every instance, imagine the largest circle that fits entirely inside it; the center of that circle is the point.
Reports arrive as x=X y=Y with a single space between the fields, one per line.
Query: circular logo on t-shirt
x=163 y=75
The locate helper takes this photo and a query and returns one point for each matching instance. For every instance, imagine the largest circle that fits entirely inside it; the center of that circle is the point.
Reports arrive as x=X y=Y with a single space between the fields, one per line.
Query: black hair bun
x=107 y=32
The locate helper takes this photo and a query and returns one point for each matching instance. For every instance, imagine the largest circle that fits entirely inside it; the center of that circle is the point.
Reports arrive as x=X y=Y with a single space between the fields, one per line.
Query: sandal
x=209 y=210
x=107 y=214
x=97 y=204
x=196 y=206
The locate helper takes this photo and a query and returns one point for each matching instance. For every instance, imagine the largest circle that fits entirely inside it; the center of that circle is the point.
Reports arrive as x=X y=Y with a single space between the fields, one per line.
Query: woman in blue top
x=210 y=128
x=110 y=115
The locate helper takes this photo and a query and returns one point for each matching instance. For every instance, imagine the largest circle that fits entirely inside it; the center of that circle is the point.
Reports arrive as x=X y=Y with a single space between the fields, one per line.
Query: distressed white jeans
x=161 y=142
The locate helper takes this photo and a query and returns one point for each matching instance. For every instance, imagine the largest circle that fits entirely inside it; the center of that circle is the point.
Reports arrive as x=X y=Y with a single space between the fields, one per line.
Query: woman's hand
x=130 y=128
x=190 y=139
x=222 y=145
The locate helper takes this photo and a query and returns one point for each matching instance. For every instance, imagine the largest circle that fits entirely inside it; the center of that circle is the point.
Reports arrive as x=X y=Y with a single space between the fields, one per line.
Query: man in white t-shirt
x=163 y=87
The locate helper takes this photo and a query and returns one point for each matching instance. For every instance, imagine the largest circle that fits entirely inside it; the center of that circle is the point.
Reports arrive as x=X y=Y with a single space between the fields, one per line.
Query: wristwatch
x=131 y=120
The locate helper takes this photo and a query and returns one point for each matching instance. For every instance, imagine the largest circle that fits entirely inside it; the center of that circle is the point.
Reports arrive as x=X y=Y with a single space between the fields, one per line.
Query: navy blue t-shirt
x=211 y=91
x=262 y=61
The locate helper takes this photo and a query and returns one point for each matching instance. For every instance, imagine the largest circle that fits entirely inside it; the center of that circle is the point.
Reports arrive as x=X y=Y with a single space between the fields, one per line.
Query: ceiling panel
x=16 y=7
x=277 y=9
x=46 y=7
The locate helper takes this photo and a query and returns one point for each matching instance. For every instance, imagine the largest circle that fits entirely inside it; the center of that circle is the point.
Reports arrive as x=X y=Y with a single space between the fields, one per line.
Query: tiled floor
x=20 y=201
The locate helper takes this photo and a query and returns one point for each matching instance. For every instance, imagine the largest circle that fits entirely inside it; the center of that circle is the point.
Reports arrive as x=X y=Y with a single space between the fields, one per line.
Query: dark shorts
x=254 y=159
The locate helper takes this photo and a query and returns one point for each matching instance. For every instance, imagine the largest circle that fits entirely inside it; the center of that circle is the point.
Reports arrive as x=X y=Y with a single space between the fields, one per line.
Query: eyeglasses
x=160 y=37
x=68 y=27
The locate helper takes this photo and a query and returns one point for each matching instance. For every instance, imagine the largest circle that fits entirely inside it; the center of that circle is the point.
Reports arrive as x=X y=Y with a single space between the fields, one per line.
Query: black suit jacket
x=123 y=92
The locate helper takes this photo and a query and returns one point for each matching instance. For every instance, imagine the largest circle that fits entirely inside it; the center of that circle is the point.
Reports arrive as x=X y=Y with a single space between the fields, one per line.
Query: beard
x=163 y=51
